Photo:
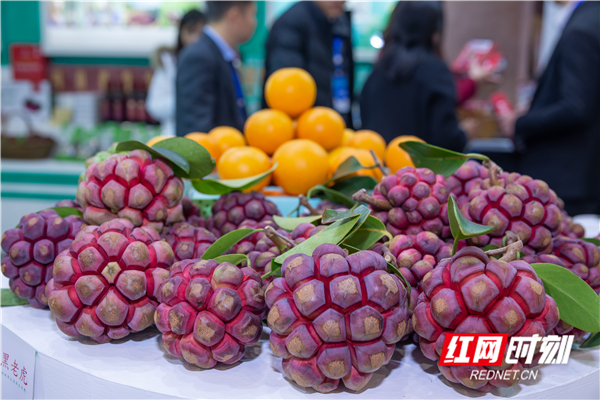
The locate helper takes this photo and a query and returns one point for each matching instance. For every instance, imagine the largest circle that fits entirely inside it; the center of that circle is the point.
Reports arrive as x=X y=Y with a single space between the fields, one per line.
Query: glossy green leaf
x=461 y=227
x=225 y=242
x=577 y=302
x=437 y=159
x=490 y=247
x=330 y=216
x=368 y=234
x=351 y=185
x=348 y=167
x=8 y=299
x=180 y=165
x=351 y=249
x=234 y=259
x=594 y=241
x=199 y=159
x=334 y=233
x=290 y=223
x=224 y=186
x=592 y=341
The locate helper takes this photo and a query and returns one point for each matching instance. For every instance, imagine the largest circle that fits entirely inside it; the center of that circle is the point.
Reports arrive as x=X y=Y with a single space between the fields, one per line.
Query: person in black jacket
x=208 y=87
x=316 y=36
x=411 y=91
x=560 y=135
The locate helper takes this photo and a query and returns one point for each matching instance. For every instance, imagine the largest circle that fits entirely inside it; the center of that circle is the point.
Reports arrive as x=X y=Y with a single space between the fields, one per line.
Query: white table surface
x=138 y=367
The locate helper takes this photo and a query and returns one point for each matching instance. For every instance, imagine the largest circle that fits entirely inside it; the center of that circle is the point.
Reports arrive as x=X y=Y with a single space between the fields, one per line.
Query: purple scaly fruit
x=31 y=249
x=469 y=176
x=232 y=209
x=135 y=187
x=105 y=284
x=516 y=203
x=187 y=241
x=335 y=317
x=472 y=293
x=210 y=312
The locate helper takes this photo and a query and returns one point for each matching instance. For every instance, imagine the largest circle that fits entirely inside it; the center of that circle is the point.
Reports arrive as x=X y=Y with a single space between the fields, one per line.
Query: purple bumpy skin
x=473 y=294
x=105 y=285
x=134 y=187
x=419 y=202
x=335 y=317
x=31 y=249
x=234 y=209
x=209 y=312
x=519 y=204
x=188 y=241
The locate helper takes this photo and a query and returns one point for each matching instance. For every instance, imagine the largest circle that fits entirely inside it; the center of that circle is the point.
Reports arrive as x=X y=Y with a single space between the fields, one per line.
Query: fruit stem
x=510 y=252
x=379 y=204
x=494 y=169
x=377 y=163
x=388 y=256
x=282 y=243
x=304 y=202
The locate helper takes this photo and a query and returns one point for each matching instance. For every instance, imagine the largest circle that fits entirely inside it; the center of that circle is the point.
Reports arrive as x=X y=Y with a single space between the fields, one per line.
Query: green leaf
x=334 y=233
x=330 y=216
x=330 y=194
x=234 y=259
x=224 y=186
x=437 y=159
x=490 y=247
x=199 y=159
x=577 y=302
x=180 y=165
x=351 y=185
x=348 y=167
x=290 y=223
x=592 y=341
x=461 y=227
x=64 y=212
x=225 y=242
x=351 y=249
x=8 y=299
x=594 y=241
x=368 y=234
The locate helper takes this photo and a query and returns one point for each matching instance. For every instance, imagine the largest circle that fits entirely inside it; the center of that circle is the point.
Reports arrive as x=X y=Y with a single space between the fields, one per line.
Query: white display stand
x=138 y=367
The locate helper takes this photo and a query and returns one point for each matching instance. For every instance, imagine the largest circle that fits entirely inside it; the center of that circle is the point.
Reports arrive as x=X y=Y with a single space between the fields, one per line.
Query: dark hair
x=409 y=36
x=189 y=20
x=216 y=10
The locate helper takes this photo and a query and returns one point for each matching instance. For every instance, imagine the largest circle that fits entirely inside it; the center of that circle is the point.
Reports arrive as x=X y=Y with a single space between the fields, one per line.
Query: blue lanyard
x=338 y=57
x=239 y=93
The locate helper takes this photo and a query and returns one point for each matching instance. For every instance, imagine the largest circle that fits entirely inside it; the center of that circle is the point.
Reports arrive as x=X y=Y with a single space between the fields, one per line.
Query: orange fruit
x=302 y=165
x=244 y=162
x=335 y=152
x=268 y=129
x=348 y=133
x=227 y=137
x=396 y=157
x=322 y=125
x=291 y=90
x=363 y=156
x=156 y=139
x=368 y=140
x=207 y=142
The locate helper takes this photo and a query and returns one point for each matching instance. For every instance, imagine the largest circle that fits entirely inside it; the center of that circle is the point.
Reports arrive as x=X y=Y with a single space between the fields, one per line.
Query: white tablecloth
x=138 y=367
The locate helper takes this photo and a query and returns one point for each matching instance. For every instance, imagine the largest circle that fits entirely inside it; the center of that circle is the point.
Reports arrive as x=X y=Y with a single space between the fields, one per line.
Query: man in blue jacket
x=209 y=88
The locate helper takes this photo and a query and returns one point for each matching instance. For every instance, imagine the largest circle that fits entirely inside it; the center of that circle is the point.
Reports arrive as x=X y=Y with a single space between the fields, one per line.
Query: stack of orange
x=297 y=136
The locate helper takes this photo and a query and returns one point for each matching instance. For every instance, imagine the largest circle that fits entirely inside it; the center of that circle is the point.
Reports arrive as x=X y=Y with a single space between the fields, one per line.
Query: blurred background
x=75 y=75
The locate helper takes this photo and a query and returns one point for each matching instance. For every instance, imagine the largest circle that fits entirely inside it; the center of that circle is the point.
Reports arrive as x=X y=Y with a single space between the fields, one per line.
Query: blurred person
x=316 y=36
x=411 y=90
x=160 y=101
x=208 y=87
x=466 y=86
x=559 y=137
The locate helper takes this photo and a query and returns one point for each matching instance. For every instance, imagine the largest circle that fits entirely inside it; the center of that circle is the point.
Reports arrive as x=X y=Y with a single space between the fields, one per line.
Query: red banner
x=27 y=62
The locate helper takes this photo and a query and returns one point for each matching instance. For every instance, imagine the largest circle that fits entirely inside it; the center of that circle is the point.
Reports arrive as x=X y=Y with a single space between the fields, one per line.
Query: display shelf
x=138 y=367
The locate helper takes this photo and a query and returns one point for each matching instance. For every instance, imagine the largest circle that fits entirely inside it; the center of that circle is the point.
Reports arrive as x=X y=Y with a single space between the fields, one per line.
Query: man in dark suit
x=316 y=36
x=209 y=89
x=560 y=135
